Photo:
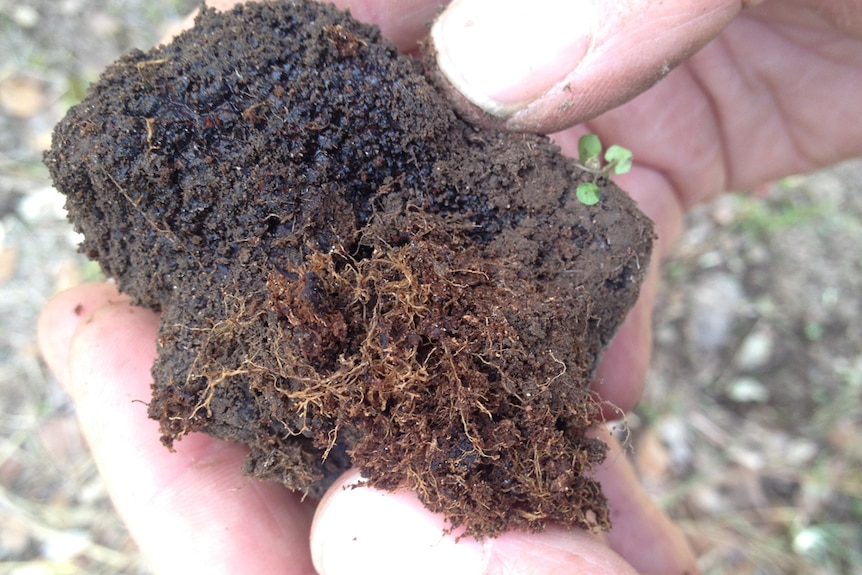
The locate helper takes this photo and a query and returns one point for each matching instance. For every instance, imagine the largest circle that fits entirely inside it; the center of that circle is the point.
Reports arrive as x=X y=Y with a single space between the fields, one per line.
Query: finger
x=405 y=22
x=363 y=530
x=188 y=508
x=845 y=16
x=61 y=317
x=642 y=533
x=546 y=65
x=622 y=372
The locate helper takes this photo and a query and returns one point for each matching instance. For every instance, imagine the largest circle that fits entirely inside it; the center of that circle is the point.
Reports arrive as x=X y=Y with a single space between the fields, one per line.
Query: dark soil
x=347 y=273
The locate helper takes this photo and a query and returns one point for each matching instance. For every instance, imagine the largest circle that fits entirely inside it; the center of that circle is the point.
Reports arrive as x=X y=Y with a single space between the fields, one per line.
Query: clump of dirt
x=347 y=273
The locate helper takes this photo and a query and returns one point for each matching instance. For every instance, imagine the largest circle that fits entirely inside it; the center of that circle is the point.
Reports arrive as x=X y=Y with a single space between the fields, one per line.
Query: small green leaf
x=589 y=147
x=619 y=159
x=588 y=194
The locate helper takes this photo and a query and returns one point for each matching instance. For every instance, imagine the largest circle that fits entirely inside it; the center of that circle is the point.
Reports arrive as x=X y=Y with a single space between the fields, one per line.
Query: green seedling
x=616 y=159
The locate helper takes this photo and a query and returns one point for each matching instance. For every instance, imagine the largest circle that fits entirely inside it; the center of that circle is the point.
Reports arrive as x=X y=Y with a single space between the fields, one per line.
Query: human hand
x=193 y=508
x=771 y=93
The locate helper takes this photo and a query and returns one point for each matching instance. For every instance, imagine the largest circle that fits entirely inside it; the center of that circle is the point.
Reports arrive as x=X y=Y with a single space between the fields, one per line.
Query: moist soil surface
x=347 y=273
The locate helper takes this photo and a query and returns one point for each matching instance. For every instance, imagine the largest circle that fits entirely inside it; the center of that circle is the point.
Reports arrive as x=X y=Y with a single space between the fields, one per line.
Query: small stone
x=756 y=350
x=747 y=390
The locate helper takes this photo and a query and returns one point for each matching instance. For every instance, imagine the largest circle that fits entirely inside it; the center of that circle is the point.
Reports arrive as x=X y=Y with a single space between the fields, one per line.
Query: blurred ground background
x=751 y=430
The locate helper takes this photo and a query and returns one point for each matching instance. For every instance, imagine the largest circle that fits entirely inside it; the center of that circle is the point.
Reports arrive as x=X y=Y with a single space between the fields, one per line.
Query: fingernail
x=503 y=55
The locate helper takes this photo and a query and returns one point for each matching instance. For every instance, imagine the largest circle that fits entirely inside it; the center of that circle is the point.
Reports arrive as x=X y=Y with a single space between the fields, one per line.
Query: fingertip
x=60 y=318
x=544 y=66
x=359 y=529
x=111 y=351
x=502 y=56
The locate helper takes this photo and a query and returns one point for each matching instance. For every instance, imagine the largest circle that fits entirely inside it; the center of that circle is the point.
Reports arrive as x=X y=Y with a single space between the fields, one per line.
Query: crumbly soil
x=347 y=273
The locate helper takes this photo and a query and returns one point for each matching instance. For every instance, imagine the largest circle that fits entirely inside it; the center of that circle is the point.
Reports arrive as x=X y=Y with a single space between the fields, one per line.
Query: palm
x=774 y=94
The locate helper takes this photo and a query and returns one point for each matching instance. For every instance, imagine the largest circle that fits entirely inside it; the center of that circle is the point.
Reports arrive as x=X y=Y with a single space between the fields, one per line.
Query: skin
x=773 y=91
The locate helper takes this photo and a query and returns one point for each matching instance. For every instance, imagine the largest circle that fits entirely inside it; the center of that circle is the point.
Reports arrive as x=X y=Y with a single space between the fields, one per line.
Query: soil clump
x=348 y=274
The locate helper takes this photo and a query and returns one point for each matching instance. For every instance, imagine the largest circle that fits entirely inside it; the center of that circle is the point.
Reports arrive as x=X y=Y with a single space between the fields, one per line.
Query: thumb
x=546 y=65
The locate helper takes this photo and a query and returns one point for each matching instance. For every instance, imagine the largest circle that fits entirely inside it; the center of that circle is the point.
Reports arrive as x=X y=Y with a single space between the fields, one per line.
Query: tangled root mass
x=347 y=273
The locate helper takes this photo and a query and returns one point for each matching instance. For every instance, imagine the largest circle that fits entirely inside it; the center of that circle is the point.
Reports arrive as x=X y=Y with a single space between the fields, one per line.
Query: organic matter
x=348 y=274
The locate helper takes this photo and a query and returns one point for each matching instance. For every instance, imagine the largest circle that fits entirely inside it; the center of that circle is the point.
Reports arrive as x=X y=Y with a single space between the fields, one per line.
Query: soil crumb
x=348 y=274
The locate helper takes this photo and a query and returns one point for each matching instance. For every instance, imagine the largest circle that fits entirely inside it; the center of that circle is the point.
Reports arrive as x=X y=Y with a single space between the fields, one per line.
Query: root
x=407 y=358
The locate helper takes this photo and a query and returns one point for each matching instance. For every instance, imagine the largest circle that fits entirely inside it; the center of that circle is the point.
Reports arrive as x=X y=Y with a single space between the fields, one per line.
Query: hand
x=771 y=93
x=193 y=508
